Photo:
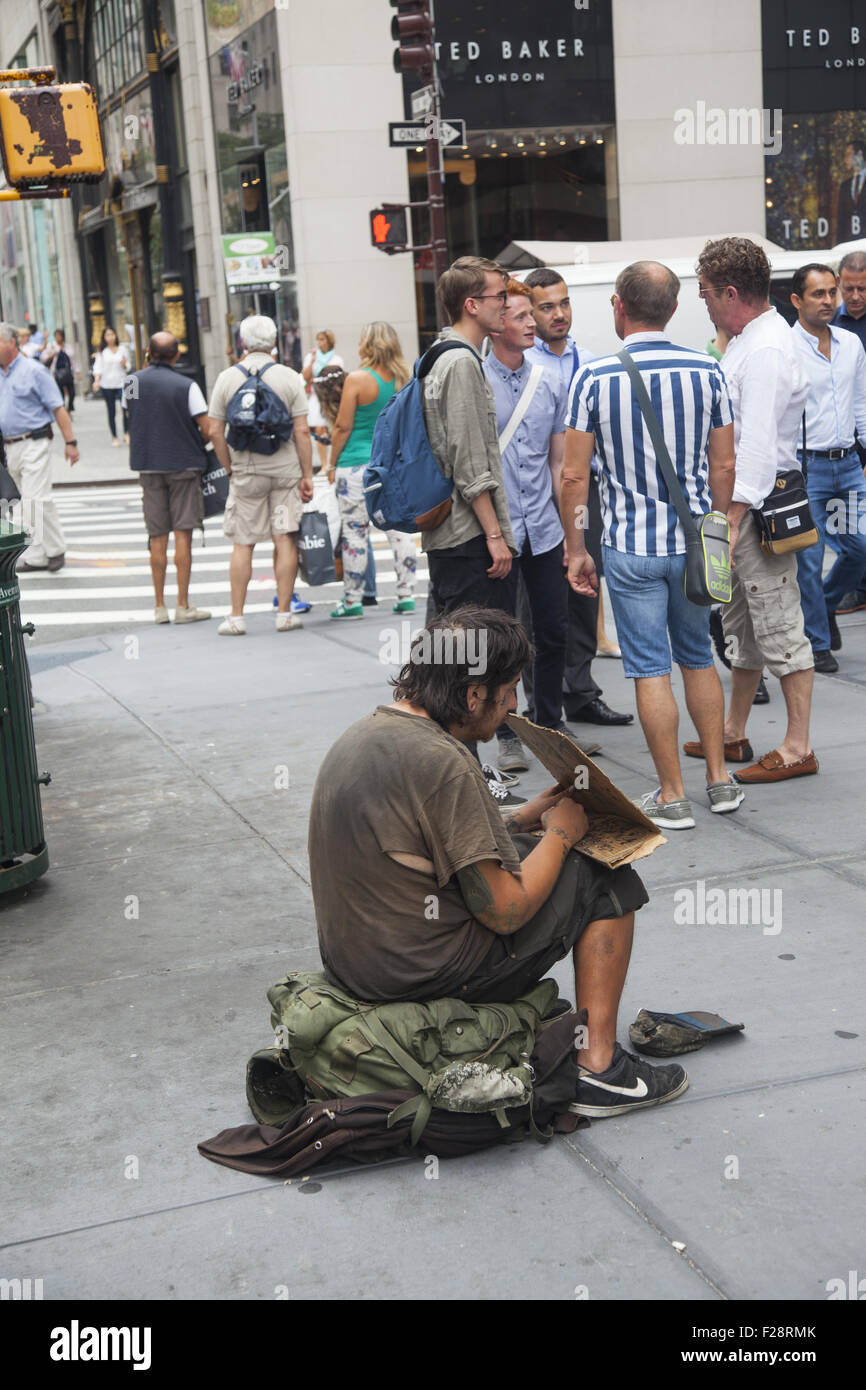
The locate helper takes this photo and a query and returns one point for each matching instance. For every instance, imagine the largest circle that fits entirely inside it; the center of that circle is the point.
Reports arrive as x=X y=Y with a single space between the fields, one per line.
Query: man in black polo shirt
x=167 y=433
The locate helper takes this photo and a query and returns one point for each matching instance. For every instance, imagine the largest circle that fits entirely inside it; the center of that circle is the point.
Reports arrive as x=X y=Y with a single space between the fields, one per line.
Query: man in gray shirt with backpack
x=470 y=553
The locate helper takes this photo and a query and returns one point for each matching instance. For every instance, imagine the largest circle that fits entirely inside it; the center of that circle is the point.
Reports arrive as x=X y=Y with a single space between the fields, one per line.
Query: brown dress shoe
x=770 y=768
x=56 y=562
x=737 y=750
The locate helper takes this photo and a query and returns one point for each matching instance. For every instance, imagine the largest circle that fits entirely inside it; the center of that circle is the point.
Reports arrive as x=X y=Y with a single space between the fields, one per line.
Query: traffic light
x=412 y=27
x=50 y=135
x=388 y=228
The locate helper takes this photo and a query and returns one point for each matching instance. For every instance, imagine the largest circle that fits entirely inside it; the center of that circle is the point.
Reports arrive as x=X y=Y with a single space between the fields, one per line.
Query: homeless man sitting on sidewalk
x=423 y=890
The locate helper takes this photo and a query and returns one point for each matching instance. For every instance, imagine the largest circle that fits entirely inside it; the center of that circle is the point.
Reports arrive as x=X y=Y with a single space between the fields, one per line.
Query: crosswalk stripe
x=107 y=579
x=142 y=590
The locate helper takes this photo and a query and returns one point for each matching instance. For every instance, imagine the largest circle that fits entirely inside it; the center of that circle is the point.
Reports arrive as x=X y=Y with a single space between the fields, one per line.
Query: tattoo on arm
x=566 y=842
x=512 y=822
x=478 y=896
x=475 y=890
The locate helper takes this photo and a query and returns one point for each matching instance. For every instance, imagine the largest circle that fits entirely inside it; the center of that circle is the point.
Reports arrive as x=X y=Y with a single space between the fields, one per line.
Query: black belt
x=44 y=433
x=828 y=453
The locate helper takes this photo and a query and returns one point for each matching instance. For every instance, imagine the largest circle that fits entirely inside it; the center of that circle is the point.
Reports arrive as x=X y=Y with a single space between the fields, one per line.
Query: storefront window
x=251 y=150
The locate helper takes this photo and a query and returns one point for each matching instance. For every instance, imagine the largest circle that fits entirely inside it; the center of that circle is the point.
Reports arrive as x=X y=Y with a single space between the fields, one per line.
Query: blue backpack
x=256 y=417
x=405 y=489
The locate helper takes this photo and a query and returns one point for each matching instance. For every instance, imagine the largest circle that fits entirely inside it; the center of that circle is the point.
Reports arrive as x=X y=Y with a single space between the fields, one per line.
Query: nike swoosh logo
x=638 y=1091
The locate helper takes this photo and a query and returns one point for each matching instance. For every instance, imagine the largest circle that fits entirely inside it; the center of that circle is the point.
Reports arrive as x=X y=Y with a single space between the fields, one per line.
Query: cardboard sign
x=619 y=833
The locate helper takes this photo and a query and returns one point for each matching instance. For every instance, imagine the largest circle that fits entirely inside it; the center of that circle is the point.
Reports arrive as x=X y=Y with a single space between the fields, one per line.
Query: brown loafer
x=770 y=768
x=737 y=750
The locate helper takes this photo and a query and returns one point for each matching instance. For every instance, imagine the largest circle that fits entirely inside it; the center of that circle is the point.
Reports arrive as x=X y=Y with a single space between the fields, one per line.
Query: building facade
x=248 y=140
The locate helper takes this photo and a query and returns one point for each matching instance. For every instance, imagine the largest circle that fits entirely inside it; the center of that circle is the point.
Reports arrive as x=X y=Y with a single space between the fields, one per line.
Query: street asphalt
x=134 y=977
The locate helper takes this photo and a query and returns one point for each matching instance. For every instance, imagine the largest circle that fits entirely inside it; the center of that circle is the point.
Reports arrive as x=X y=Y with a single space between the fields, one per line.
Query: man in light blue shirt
x=29 y=397
x=556 y=349
x=835 y=364
x=530 y=417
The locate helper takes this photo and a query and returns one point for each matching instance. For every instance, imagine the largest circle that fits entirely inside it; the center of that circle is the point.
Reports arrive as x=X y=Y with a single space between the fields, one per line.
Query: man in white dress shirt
x=768 y=386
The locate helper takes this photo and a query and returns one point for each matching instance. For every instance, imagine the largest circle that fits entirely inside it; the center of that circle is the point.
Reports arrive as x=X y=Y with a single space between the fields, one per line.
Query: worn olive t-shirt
x=397 y=783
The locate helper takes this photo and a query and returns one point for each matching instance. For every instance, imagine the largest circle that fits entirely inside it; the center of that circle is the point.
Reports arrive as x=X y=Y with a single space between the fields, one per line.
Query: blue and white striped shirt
x=689 y=393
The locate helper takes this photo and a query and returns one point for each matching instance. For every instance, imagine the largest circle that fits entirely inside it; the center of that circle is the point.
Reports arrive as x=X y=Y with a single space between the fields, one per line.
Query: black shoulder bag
x=784 y=519
x=708 y=538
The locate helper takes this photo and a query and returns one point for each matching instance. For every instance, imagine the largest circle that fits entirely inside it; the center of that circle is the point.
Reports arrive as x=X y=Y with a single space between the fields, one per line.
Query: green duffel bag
x=455 y=1055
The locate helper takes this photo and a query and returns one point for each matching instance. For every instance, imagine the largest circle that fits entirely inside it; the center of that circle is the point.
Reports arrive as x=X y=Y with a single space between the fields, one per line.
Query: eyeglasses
x=613 y=299
x=502 y=296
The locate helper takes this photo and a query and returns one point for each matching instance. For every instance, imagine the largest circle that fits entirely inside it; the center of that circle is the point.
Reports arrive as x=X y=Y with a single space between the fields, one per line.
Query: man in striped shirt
x=645 y=546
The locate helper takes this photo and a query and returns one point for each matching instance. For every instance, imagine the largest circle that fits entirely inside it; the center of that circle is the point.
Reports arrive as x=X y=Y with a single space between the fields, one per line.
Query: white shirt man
x=768 y=385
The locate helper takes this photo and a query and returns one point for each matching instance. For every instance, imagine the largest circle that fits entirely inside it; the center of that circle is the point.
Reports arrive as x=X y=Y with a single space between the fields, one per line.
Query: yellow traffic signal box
x=50 y=135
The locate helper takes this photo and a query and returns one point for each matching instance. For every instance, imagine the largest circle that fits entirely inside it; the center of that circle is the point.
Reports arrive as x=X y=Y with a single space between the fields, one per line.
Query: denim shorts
x=654 y=619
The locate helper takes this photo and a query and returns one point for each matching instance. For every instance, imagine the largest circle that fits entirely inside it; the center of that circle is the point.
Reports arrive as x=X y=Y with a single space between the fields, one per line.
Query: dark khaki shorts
x=584 y=892
x=172 y=501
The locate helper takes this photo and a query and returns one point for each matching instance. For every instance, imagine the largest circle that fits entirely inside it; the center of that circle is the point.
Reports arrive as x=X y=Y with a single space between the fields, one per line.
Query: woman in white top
x=111 y=366
x=314 y=364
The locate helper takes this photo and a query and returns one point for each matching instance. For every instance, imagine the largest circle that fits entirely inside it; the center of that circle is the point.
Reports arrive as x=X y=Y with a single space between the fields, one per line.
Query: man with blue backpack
x=437 y=469
x=259 y=431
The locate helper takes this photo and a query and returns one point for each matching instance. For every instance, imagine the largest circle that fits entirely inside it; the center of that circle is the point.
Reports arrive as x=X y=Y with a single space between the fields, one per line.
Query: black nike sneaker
x=629 y=1083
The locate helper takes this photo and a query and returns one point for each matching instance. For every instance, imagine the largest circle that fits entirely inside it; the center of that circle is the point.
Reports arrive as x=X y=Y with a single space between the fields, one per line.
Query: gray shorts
x=584 y=892
x=763 y=623
x=172 y=501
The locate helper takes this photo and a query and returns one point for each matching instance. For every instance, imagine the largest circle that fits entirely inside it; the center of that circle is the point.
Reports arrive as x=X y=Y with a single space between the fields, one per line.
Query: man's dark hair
x=802 y=273
x=738 y=262
x=648 y=291
x=859 y=147
x=469 y=646
x=543 y=278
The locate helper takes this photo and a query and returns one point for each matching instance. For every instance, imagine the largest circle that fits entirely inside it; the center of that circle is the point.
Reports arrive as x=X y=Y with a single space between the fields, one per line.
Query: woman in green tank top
x=365 y=394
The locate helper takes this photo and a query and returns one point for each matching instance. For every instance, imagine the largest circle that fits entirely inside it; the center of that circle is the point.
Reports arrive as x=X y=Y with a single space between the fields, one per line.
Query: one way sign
x=415 y=133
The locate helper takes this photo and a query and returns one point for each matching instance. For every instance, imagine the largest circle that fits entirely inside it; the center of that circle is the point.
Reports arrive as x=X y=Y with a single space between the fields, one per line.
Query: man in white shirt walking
x=768 y=387
x=835 y=364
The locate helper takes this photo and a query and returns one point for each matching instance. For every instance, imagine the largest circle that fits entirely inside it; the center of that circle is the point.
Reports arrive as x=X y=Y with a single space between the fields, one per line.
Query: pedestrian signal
x=388 y=228
x=50 y=135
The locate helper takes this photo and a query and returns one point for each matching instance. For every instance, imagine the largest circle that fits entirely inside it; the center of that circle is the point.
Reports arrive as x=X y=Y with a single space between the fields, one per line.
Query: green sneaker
x=404 y=605
x=347 y=610
x=668 y=815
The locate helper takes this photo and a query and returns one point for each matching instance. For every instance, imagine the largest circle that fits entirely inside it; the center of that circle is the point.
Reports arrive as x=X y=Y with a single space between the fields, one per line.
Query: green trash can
x=23 y=855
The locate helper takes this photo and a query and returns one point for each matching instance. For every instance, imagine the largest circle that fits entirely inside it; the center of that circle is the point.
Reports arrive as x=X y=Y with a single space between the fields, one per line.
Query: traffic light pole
x=414 y=29
x=436 y=194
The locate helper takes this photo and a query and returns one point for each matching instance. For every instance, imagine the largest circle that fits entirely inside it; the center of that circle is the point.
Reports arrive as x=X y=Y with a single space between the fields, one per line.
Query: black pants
x=584 y=892
x=111 y=395
x=66 y=386
x=542 y=607
x=459 y=575
x=581 y=639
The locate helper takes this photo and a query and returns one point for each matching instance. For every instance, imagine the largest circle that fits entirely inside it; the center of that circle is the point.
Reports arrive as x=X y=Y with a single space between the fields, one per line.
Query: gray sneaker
x=668 y=815
x=511 y=756
x=724 y=797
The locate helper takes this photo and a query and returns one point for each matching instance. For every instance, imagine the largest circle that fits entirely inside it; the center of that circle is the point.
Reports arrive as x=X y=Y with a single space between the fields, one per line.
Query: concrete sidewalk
x=134 y=978
x=100 y=462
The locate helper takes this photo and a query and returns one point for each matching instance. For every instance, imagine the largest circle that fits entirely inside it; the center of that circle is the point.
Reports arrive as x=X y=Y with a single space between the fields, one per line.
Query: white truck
x=589 y=269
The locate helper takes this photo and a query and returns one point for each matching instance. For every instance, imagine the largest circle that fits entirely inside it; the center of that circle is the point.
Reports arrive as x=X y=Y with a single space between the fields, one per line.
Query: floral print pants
x=356 y=529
